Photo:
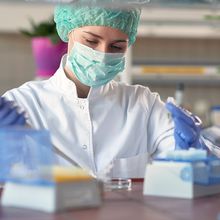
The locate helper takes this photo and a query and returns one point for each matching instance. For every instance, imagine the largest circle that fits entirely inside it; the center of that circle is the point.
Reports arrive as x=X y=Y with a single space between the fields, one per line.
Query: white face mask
x=94 y=68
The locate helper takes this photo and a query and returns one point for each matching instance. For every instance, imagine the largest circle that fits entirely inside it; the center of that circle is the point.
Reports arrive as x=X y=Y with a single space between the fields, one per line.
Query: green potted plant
x=47 y=47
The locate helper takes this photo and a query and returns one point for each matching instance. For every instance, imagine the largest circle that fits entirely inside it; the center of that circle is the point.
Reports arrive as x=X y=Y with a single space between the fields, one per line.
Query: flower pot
x=47 y=56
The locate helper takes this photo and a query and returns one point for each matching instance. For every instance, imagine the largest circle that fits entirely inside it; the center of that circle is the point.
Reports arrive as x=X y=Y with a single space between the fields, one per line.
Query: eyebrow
x=95 y=35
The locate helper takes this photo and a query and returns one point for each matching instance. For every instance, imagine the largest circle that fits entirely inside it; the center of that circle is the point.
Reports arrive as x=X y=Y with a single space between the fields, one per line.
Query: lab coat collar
x=68 y=87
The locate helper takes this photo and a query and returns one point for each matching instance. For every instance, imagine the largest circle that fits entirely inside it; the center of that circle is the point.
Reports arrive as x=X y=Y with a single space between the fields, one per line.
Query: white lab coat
x=124 y=123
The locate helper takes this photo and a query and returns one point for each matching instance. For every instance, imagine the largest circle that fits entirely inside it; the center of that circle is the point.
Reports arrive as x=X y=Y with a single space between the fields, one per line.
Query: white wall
x=15 y=16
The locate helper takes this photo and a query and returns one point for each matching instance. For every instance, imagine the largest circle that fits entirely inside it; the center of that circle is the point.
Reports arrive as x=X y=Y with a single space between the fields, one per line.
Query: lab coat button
x=82 y=107
x=84 y=147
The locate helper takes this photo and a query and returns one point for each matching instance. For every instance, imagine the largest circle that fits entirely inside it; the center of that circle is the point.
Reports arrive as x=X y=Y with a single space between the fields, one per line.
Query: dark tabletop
x=129 y=205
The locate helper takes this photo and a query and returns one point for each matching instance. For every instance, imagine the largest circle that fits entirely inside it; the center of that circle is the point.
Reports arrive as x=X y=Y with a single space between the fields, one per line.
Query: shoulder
x=28 y=90
x=135 y=94
x=133 y=91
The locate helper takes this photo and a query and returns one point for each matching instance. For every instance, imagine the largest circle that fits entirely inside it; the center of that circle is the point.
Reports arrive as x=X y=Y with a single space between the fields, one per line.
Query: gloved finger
x=10 y=118
x=5 y=109
x=180 y=143
x=187 y=133
x=180 y=122
x=178 y=112
x=21 y=120
x=2 y=100
x=5 y=101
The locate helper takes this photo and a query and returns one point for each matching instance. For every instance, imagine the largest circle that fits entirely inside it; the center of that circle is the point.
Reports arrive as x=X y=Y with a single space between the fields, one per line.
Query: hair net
x=69 y=17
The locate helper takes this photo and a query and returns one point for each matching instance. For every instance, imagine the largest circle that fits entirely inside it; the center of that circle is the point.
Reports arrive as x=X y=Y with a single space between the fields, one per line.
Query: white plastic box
x=53 y=198
x=177 y=179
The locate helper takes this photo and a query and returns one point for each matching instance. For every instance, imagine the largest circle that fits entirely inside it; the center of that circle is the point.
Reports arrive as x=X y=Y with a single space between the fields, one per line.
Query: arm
x=160 y=128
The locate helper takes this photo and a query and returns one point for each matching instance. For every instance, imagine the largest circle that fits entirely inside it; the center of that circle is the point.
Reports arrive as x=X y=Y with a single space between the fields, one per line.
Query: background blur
x=178 y=34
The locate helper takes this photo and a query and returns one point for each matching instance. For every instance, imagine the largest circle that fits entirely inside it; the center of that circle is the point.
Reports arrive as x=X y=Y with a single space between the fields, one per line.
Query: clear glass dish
x=118 y=184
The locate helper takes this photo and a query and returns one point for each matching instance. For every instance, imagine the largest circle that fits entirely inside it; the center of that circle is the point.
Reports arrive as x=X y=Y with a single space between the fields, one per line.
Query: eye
x=116 y=47
x=91 y=41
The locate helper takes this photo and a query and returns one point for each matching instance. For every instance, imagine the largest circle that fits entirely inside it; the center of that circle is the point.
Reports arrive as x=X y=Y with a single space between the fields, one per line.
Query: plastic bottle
x=179 y=94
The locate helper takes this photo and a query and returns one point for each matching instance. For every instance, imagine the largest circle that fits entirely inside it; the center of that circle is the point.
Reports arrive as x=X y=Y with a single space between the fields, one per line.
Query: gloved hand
x=9 y=114
x=187 y=127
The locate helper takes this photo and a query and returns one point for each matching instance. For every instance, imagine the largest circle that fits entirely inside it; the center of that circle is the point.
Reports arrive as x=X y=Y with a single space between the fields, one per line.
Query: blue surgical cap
x=69 y=17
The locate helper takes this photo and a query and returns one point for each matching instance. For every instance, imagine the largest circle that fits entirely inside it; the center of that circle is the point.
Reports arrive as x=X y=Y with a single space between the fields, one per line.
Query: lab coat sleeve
x=160 y=128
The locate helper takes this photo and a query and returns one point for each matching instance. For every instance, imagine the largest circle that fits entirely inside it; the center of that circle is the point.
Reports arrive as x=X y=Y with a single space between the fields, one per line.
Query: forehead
x=102 y=31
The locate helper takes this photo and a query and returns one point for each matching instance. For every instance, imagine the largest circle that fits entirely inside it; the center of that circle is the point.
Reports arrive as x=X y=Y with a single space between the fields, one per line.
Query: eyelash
x=95 y=42
x=91 y=42
x=115 y=47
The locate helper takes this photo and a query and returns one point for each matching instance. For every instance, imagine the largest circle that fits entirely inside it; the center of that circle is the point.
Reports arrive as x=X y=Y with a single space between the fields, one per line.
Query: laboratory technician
x=94 y=120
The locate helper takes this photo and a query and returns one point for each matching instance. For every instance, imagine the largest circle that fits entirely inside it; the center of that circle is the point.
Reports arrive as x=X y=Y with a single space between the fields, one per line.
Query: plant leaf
x=55 y=39
x=45 y=28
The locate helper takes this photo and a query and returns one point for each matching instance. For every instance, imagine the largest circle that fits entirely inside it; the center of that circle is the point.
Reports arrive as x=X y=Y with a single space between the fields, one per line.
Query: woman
x=93 y=119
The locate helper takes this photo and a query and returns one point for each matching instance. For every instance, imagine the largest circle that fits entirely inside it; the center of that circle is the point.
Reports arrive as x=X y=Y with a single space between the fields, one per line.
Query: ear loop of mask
x=70 y=37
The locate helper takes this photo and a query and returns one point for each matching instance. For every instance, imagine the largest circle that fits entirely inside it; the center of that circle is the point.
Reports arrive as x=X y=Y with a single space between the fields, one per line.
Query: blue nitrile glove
x=9 y=114
x=187 y=127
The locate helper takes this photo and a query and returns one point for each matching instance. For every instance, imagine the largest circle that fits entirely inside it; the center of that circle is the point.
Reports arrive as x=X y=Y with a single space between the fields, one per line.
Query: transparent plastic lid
x=26 y=155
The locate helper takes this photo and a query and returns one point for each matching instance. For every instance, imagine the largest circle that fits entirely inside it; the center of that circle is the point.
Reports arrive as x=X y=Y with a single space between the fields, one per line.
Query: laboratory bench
x=119 y=205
